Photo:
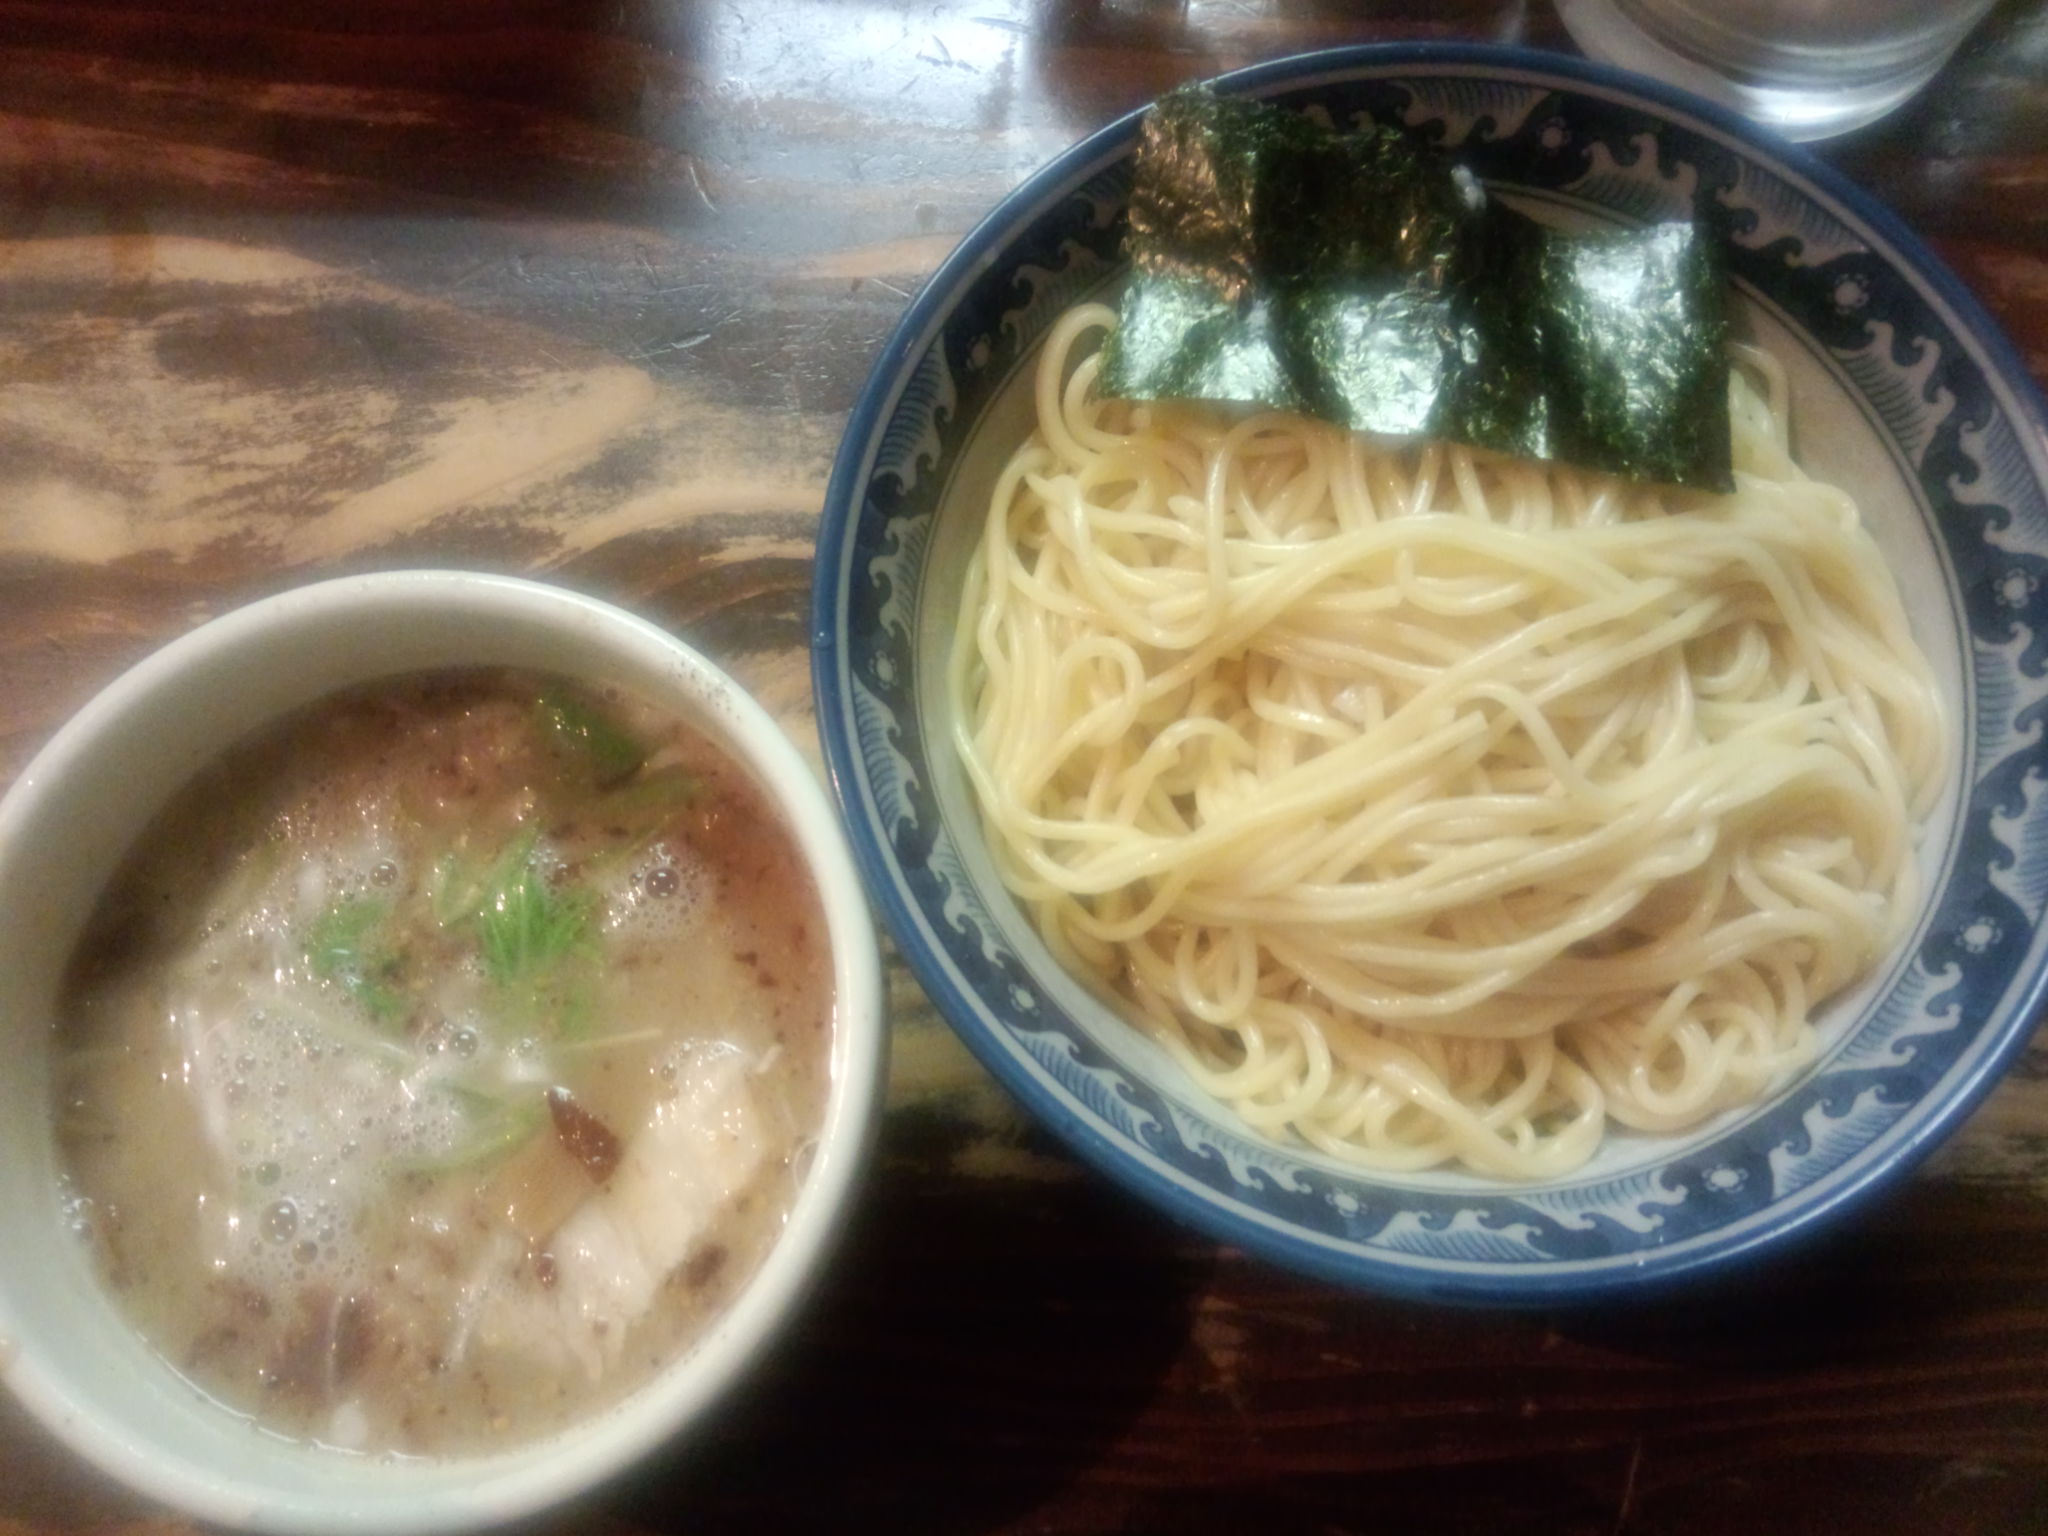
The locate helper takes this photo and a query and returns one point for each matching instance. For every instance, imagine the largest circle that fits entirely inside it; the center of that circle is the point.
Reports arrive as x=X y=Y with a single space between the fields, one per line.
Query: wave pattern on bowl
x=1911 y=356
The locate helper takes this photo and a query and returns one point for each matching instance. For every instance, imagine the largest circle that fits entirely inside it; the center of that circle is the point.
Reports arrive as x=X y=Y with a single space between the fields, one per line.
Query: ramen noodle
x=1431 y=806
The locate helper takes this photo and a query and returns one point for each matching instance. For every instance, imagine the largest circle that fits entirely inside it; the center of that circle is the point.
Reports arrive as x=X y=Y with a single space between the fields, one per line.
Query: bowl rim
x=1277 y=1240
x=475 y=1489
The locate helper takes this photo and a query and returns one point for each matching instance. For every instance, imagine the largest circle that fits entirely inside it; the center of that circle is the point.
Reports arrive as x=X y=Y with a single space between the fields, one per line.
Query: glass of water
x=1808 y=68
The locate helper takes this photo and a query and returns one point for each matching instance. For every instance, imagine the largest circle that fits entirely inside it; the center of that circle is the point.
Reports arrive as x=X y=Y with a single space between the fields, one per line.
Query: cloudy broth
x=443 y=1061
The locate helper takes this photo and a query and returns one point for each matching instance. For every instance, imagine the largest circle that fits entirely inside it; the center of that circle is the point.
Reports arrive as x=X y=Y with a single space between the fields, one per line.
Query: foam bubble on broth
x=661 y=898
x=375 y=1053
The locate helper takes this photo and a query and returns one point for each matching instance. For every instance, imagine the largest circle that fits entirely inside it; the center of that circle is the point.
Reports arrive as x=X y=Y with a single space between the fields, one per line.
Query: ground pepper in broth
x=443 y=1060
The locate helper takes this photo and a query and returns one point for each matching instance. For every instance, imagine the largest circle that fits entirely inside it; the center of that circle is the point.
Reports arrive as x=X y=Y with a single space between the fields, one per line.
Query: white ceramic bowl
x=64 y=1350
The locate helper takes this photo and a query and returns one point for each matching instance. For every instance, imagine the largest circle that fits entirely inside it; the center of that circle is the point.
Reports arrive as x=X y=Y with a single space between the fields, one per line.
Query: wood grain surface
x=585 y=289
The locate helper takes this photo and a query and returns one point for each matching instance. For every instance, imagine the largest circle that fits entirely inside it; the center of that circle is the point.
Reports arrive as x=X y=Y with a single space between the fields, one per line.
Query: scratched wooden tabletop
x=585 y=289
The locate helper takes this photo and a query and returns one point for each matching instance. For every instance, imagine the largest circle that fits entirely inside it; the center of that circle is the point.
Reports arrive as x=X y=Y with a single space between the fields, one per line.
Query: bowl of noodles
x=1464 y=876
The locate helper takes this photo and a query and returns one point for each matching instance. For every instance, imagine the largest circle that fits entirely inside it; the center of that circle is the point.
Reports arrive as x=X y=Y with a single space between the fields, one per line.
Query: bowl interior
x=1847 y=451
x=1903 y=395
x=64 y=1349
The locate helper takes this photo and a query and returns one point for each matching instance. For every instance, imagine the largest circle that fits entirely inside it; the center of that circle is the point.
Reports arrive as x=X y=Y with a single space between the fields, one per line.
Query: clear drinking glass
x=1808 y=68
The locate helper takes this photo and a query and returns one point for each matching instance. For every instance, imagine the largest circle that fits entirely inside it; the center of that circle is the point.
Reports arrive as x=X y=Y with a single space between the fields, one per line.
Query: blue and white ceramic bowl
x=1904 y=393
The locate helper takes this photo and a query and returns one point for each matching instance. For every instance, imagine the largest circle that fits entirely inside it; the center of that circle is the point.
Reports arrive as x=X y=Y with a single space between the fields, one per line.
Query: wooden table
x=586 y=290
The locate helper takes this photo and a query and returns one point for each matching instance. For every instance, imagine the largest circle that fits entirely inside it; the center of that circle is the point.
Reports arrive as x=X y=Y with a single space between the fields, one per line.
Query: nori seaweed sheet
x=1365 y=277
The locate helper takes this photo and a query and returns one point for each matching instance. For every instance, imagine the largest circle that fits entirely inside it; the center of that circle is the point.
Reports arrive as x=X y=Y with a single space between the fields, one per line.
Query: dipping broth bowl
x=1903 y=392
x=65 y=1351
